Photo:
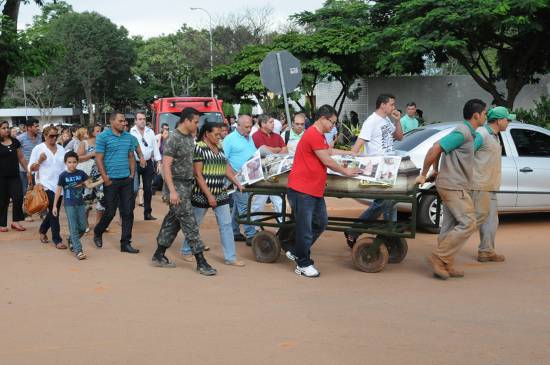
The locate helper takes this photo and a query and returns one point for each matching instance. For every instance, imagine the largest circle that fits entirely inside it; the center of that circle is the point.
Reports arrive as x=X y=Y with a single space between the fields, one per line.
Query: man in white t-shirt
x=376 y=138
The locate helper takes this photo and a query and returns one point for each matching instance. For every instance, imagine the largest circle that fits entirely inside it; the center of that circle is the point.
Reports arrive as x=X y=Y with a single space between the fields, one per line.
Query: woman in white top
x=47 y=161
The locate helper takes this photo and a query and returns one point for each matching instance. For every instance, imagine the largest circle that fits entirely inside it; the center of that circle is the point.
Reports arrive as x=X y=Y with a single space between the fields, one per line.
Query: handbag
x=36 y=199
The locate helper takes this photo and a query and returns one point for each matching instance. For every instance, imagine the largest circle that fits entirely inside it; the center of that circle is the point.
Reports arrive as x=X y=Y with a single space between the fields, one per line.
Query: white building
x=56 y=115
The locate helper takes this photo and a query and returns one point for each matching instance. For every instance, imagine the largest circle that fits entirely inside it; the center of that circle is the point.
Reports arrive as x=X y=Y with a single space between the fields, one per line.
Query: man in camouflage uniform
x=177 y=167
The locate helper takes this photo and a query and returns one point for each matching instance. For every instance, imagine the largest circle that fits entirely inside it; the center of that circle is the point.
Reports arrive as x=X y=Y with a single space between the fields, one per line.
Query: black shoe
x=149 y=217
x=98 y=240
x=203 y=267
x=249 y=241
x=239 y=237
x=161 y=261
x=128 y=248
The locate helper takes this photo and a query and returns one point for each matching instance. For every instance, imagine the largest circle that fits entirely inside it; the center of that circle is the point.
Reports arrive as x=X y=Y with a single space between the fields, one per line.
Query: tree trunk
x=339 y=95
x=343 y=95
x=90 y=104
x=8 y=29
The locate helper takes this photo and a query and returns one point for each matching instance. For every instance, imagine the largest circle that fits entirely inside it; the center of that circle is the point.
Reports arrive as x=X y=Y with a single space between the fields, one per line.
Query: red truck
x=167 y=110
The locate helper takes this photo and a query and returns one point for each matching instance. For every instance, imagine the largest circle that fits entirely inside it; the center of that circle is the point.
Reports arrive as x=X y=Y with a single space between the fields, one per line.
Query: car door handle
x=526 y=169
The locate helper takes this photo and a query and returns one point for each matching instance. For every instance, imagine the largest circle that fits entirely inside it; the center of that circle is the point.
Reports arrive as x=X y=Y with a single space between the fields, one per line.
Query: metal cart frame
x=369 y=254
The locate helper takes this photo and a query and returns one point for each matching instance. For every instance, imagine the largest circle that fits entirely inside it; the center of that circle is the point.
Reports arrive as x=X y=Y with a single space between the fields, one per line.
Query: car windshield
x=172 y=118
x=414 y=138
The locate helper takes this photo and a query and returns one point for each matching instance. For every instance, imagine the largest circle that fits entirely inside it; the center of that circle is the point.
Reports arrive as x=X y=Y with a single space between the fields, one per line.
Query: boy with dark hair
x=72 y=182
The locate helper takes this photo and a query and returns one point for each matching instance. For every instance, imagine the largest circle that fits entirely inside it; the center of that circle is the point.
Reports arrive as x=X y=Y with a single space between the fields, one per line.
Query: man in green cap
x=486 y=181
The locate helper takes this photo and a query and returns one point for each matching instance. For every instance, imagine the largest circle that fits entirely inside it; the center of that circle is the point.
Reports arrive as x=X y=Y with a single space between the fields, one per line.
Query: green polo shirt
x=455 y=139
x=408 y=123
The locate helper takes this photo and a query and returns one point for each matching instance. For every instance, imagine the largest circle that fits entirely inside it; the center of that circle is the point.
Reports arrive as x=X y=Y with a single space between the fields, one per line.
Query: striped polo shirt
x=27 y=144
x=115 y=149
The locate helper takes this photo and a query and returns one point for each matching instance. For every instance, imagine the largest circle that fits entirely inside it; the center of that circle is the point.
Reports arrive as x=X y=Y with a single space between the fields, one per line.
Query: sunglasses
x=53 y=136
x=144 y=142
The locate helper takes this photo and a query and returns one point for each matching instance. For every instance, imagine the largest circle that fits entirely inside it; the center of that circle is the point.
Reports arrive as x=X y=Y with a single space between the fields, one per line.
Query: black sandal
x=350 y=240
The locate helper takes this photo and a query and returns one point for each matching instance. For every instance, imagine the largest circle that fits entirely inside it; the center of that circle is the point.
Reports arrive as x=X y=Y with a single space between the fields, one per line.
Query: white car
x=525 y=185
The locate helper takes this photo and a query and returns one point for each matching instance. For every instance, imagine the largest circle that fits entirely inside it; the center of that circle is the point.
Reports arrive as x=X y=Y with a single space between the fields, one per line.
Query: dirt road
x=116 y=309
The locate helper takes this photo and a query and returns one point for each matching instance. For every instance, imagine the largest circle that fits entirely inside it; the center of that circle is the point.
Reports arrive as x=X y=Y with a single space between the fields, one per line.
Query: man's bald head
x=244 y=124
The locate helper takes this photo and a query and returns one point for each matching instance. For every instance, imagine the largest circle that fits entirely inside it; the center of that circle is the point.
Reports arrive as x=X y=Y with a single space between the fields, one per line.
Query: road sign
x=281 y=73
x=288 y=74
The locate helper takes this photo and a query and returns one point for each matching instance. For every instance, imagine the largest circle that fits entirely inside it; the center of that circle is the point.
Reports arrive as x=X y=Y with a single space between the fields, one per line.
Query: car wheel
x=427 y=211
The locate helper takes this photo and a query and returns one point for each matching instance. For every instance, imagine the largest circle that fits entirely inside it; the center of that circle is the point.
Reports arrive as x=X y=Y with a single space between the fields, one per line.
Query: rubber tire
x=423 y=218
x=364 y=263
x=266 y=247
x=397 y=248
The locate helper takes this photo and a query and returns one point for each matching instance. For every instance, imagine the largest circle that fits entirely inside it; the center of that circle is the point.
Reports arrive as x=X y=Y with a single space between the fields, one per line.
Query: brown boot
x=438 y=267
x=451 y=269
x=490 y=257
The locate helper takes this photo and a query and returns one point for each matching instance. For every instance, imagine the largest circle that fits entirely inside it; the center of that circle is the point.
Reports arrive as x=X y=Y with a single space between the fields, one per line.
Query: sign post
x=281 y=73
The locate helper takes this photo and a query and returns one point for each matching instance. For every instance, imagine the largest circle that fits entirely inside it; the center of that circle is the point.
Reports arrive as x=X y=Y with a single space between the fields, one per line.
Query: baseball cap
x=498 y=112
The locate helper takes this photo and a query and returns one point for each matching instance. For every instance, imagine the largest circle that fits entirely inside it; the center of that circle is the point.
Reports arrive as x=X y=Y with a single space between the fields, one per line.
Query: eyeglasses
x=144 y=142
x=333 y=122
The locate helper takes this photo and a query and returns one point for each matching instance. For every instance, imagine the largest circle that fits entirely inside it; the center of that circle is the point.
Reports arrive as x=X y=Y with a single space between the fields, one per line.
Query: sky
x=152 y=18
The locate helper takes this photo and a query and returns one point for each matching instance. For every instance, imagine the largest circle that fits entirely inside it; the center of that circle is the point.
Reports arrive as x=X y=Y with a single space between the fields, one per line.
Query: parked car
x=525 y=185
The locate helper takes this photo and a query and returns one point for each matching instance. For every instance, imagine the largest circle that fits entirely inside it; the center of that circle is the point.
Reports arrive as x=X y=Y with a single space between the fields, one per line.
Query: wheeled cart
x=386 y=241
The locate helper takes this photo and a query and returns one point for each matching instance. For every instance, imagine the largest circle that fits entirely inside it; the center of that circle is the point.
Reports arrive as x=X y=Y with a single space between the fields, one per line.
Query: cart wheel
x=397 y=248
x=266 y=247
x=366 y=261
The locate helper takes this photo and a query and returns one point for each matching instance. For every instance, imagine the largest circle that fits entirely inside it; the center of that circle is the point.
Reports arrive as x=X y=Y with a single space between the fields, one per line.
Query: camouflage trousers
x=181 y=217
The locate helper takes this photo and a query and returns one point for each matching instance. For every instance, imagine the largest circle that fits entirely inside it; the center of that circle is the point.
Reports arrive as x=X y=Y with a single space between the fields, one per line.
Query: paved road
x=116 y=309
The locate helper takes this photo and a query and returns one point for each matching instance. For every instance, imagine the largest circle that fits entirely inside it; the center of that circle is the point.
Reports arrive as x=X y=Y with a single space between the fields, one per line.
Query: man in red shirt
x=306 y=187
x=265 y=136
x=266 y=140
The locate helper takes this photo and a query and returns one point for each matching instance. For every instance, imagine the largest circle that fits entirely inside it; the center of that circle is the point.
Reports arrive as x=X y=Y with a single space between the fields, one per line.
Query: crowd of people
x=103 y=168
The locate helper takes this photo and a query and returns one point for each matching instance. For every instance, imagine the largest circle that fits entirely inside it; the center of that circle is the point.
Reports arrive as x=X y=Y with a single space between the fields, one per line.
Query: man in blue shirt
x=30 y=139
x=239 y=147
x=116 y=164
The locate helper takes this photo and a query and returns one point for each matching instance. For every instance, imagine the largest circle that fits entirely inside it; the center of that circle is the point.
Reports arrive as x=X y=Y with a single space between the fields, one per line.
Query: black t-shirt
x=9 y=164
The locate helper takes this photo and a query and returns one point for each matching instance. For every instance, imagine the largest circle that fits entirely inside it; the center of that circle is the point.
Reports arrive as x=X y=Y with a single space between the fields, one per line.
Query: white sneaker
x=308 y=271
x=290 y=256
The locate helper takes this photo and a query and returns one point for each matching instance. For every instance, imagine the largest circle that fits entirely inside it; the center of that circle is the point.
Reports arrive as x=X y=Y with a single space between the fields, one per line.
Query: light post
x=211 y=50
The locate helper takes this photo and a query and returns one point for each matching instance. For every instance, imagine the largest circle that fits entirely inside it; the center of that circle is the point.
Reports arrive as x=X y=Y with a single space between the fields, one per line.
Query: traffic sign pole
x=283 y=86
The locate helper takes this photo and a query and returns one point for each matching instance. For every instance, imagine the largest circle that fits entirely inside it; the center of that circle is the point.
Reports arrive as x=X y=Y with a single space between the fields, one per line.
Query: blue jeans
x=51 y=221
x=378 y=207
x=24 y=181
x=240 y=201
x=311 y=218
x=76 y=216
x=223 y=217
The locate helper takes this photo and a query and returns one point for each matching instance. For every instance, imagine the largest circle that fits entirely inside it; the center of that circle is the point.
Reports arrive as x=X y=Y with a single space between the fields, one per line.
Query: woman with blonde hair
x=80 y=136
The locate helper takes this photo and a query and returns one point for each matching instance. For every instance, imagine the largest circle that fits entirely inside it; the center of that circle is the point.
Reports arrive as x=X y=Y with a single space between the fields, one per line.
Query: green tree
x=337 y=36
x=494 y=40
x=330 y=46
x=10 y=42
x=96 y=60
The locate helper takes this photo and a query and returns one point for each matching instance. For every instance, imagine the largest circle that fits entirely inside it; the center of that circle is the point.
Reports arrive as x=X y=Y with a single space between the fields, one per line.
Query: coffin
x=405 y=182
